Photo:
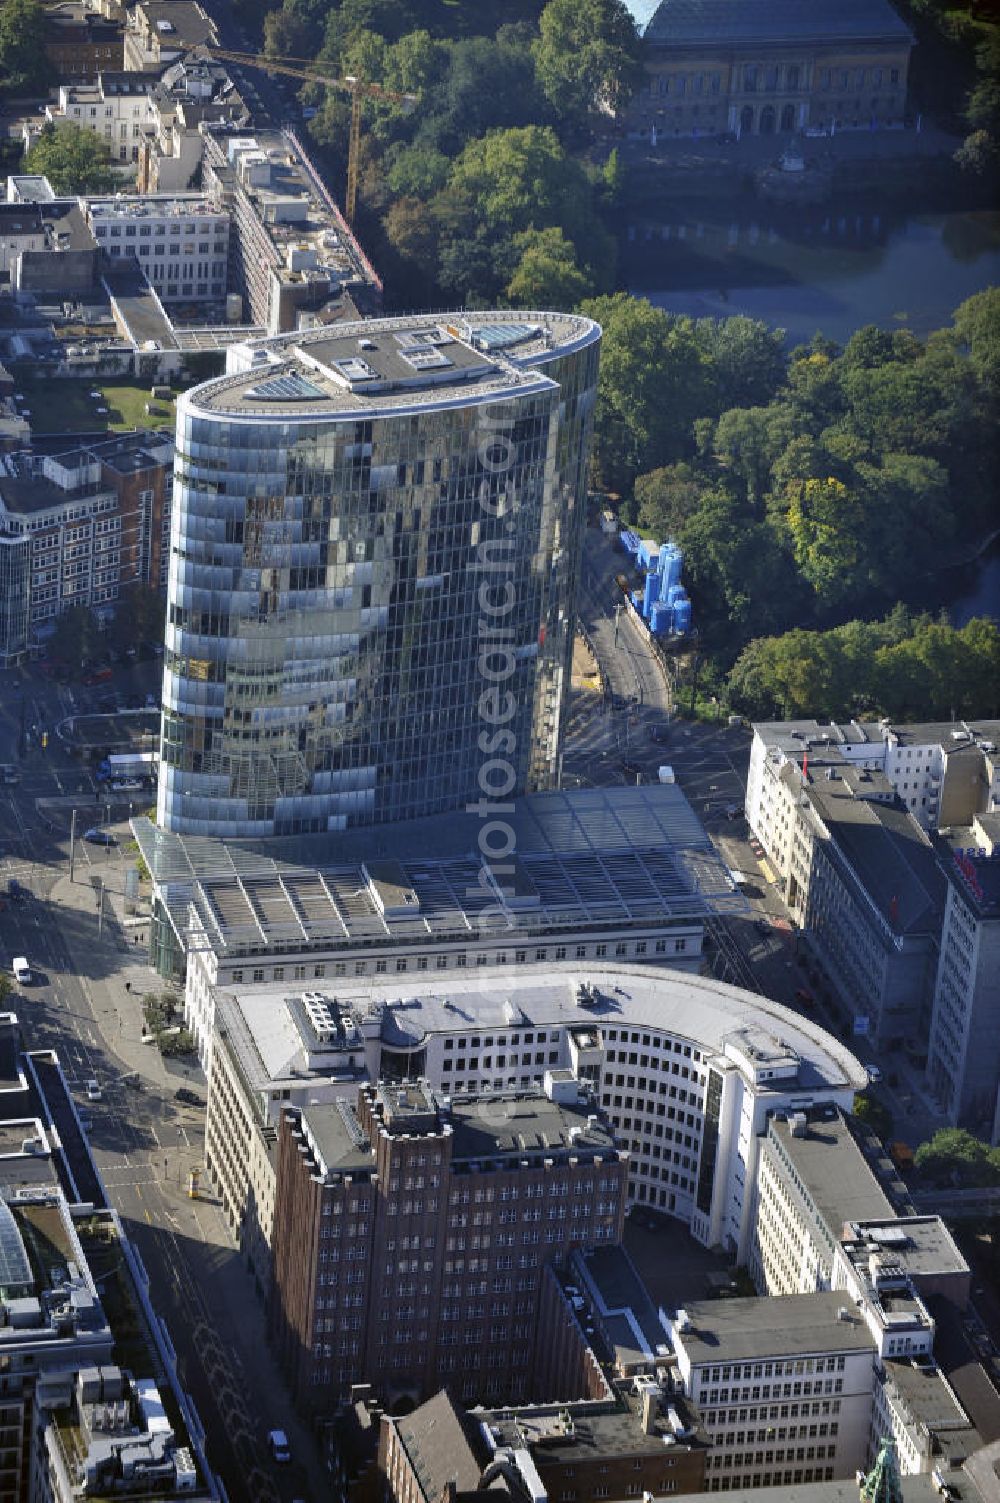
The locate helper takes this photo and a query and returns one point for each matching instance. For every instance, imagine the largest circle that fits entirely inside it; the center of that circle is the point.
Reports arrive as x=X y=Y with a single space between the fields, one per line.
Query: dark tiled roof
x=890 y=855
x=438 y=1447
x=748 y=21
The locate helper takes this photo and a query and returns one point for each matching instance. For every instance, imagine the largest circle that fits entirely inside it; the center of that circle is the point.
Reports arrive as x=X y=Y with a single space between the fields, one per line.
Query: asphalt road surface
x=143 y=1140
x=143 y=1143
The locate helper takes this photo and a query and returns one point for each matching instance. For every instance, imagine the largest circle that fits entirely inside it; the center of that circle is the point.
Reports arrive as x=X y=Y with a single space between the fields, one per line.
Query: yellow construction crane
x=307 y=69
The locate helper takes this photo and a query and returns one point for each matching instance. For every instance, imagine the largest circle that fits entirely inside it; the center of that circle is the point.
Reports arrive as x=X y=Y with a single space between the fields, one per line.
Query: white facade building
x=116 y=108
x=917 y=1406
x=812 y=1177
x=79 y=528
x=181 y=242
x=789 y=1383
x=686 y=1068
x=963 y=1060
x=943 y=772
x=856 y=867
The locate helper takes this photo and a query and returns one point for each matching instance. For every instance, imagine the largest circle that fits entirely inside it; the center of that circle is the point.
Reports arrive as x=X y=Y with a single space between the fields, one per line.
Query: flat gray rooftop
x=890 y=855
x=395 y=364
x=339 y=1139
x=603 y=1427
x=927 y=1395
x=821 y=736
x=510 y=1126
x=833 y=1171
x=922 y=1244
x=628 y=1316
x=517 y=1124
x=656 y=999
x=138 y=307
x=741 y=1330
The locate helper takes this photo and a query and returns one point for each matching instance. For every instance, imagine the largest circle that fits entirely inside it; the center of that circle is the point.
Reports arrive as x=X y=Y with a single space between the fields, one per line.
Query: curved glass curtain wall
x=323 y=626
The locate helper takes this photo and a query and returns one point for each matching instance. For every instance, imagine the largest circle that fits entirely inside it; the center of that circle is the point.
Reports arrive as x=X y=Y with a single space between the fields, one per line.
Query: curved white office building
x=687 y=1068
x=375 y=545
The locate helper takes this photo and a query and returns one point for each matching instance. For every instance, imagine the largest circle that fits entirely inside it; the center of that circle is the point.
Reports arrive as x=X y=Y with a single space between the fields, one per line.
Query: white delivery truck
x=22 y=971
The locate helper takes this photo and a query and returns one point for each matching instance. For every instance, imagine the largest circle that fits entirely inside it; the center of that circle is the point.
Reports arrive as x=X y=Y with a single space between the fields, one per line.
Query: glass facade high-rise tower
x=375 y=547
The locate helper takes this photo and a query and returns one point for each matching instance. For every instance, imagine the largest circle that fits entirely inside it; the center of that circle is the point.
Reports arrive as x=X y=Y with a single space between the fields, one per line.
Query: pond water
x=832 y=269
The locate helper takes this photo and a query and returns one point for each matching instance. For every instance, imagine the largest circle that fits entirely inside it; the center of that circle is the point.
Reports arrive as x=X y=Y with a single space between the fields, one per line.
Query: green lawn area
x=66 y=406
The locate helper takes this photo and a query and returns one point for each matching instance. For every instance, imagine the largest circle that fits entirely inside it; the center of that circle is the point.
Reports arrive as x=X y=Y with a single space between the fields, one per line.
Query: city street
x=85 y=1005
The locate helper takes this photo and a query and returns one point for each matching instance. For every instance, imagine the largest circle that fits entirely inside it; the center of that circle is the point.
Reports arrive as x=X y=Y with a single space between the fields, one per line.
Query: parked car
x=97 y=676
x=99 y=837
x=277 y=1444
x=9 y=774
x=17 y=892
x=94 y=1092
x=874 y=1074
x=188 y=1097
x=23 y=974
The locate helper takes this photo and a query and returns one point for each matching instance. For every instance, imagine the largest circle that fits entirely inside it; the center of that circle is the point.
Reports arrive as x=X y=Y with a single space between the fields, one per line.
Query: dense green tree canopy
x=508 y=185
x=846 y=477
x=901 y=666
x=666 y=498
x=655 y=380
x=977 y=324
x=73 y=159
x=954 y=1156
x=23 y=63
x=547 y=274
x=586 y=57
x=748 y=359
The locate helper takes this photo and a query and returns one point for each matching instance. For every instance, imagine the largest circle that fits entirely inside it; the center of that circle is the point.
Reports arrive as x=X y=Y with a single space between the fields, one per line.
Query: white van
x=22 y=970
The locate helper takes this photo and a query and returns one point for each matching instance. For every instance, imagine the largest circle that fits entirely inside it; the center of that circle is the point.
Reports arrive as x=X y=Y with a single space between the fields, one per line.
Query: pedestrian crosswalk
x=589 y=729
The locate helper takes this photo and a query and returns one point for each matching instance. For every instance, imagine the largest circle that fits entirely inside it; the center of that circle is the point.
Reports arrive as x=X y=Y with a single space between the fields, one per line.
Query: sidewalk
x=225 y=1283
x=114 y=997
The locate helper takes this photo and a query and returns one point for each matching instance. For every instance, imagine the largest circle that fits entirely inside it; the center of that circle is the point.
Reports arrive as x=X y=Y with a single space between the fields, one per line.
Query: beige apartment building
x=771 y=69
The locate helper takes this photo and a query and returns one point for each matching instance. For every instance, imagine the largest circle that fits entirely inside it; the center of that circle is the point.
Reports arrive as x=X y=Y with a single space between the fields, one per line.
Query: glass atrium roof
x=293 y=388
x=15 y=1270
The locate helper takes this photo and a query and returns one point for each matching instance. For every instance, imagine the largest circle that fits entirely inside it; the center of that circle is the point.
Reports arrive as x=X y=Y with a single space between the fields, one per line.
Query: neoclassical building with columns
x=771 y=67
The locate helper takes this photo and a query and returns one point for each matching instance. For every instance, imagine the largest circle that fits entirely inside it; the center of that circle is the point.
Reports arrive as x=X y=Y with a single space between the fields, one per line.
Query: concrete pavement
x=145 y=1144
